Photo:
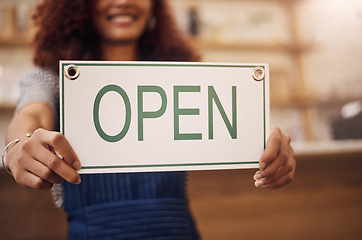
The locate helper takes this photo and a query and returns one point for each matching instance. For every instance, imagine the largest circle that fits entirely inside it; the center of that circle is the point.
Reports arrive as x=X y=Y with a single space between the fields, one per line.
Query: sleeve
x=39 y=85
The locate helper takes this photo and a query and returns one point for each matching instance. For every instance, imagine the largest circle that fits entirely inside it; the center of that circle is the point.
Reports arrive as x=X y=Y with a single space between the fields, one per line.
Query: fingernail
x=257 y=176
x=76 y=165
x=262 y=165
x=259 y=183
x=79 y=180
x=58 y=154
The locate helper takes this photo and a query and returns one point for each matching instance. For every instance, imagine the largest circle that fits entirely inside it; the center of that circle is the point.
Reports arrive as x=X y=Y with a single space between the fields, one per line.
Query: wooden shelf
x=315 y=149
x=278 y=47
x=310 y=101
x=7 y=107
x=16 y=42
x=267 y=1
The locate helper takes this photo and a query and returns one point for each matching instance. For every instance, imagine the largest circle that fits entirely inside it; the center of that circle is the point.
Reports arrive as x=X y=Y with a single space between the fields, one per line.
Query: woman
x=115 y=206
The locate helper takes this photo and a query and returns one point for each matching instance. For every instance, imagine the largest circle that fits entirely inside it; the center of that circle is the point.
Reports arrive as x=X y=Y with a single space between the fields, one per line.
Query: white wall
x=334 y=29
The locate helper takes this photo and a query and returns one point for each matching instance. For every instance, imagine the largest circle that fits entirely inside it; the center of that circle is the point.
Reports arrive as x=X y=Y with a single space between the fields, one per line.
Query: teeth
x=122 y=18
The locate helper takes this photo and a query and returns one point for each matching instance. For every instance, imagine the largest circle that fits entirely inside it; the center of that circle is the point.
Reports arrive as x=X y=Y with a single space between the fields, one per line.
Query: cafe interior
x=314 y=53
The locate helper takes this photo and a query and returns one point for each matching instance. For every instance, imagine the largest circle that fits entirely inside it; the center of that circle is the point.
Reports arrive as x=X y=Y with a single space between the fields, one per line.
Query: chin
x=121 y=41
x=124 y=38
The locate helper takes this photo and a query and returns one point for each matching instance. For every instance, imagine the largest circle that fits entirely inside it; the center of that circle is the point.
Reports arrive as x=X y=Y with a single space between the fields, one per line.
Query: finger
x=284 y=170
x=28 y=179
x=37 y=148
x=272 y=148
x=42 y=171
x=287 y=170
x=279 y=161
x=66 y=151
x=57 y=165
x=57 y=143
x=280 y=182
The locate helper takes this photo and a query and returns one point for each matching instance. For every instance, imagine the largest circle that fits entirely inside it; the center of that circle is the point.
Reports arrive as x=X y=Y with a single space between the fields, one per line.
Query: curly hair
x=65 y=32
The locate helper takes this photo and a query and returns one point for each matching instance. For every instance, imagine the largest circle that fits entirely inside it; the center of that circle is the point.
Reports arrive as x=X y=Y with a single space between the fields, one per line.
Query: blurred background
x=314 y=50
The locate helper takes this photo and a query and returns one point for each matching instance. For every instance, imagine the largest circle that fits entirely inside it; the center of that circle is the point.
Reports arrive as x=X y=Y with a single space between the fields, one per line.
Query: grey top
x=40 y=85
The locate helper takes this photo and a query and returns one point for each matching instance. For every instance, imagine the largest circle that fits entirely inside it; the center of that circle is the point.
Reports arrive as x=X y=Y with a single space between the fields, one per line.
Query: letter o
x=97 y=101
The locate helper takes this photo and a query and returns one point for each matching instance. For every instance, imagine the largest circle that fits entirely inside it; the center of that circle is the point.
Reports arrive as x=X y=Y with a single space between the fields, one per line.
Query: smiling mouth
x=121 y=19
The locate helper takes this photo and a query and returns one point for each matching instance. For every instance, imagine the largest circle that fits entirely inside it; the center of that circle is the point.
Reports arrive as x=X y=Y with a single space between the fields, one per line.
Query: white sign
x=164 y=116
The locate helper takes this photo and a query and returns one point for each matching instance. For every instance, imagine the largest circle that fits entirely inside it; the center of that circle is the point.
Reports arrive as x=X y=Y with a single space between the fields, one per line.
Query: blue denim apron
x=129 y=206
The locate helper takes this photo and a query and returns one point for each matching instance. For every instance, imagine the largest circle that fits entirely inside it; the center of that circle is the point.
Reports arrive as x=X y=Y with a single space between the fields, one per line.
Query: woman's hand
x=44 y=159
x=277 y=164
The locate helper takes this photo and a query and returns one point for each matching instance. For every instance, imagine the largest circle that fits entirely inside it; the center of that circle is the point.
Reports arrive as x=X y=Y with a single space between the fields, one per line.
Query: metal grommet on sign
x=258 y=73
x=71 y=72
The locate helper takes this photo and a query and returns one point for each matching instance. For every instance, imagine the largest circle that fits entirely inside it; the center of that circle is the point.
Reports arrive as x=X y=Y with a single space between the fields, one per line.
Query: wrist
x=4 y=154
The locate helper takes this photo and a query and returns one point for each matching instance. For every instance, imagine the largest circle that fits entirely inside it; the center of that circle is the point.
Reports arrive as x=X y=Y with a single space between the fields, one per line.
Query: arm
x=277 y=164
x=35 y=161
